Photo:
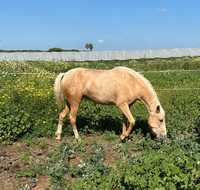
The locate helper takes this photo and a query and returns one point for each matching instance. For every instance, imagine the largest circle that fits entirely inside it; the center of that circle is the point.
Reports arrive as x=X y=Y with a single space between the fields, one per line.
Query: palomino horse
x=120 y=86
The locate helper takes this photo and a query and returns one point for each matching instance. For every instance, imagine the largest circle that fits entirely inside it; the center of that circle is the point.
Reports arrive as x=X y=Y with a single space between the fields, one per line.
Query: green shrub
x=14 y=122
x=55 y=49
x=165 y=169
x=164 y=166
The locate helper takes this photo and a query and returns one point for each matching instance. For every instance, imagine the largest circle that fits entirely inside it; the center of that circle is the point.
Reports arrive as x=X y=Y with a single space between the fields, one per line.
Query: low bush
x=55 y=49
x=174 y=165
x=14 y=122
x=153 y=164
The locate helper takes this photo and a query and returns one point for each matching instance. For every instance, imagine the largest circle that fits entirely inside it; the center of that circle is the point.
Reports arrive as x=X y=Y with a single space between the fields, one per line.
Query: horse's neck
x=150 y=99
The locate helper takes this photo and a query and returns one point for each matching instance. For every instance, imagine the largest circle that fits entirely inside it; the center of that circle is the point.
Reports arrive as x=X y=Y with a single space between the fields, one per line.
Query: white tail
x=58 y=90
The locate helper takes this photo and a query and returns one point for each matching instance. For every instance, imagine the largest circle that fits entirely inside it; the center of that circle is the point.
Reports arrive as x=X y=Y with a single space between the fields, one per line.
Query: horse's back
x=99 y=72
x=110 y=86
x=105 y=86
x=126 y=70
x=120 y=75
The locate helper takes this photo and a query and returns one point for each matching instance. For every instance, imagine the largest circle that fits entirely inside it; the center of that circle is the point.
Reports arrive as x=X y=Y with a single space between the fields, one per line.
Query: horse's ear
x=158 y=109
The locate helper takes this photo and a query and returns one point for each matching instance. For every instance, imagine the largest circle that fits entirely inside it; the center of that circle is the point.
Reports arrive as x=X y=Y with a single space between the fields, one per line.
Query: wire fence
x=157 y=89
x=144 y=71
x=53 y=75
x=169 y=71
x=177 y=89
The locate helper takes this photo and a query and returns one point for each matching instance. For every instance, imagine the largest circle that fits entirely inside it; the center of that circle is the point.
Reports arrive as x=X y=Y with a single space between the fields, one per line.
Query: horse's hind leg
x=60 y=122
x=126 y=111
x=72 y=117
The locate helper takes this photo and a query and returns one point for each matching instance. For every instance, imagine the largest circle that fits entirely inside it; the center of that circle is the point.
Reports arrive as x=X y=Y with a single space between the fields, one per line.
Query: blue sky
x=108 y=24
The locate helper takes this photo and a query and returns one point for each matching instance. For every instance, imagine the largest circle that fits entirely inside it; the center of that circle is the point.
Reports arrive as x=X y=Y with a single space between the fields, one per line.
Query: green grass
x=29 y=112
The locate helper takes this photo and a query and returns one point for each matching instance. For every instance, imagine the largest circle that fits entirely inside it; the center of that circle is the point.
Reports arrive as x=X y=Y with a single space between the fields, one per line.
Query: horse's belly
x=100 y=99
x=101 y=94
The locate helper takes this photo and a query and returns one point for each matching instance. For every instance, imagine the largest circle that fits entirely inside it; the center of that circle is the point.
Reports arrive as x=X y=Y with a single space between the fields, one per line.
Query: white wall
x=100 y=55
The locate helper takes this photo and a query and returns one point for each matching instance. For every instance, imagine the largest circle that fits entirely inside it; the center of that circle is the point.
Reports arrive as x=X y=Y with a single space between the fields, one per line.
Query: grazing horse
x=120 y=86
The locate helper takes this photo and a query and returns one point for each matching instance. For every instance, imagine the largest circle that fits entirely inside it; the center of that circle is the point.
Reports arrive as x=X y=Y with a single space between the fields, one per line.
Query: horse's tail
x=58 y=90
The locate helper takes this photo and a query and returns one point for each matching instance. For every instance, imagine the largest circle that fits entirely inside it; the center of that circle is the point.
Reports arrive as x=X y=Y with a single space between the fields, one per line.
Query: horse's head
x=156 y=122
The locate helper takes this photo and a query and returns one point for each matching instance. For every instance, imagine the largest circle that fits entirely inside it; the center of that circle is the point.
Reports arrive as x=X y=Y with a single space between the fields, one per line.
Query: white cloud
x=162 y=10
x=101 y=41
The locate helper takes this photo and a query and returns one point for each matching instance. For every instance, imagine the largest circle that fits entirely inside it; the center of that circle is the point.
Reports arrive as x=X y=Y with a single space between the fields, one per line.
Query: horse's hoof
x=58 y=139
x=78 y=139
x=58 y=142
x=122 y=137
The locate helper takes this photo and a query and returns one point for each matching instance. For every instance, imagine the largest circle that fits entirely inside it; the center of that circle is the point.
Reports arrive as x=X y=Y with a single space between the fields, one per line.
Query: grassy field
x=31 y=159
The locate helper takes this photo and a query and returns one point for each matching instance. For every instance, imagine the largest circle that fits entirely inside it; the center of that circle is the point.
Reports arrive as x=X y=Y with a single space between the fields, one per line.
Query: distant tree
x=89 y=46
x=71 y=50
x=55 y=49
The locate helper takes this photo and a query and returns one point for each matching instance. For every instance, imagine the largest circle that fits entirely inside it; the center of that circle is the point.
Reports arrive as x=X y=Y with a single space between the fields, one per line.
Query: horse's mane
x=140 y=77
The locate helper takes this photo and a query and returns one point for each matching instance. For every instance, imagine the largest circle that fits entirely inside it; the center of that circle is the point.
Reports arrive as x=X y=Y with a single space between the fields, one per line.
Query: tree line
x=88 y=46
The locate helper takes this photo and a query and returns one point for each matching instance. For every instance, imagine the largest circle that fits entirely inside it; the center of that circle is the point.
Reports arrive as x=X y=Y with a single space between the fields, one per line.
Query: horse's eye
x=161 y=120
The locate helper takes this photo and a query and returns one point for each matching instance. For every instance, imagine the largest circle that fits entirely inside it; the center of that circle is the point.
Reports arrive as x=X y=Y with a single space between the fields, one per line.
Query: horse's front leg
x=127 y=113
x=126 y=132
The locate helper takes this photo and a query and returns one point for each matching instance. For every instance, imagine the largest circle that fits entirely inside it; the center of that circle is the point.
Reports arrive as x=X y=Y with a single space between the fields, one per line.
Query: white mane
x=140 y=77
